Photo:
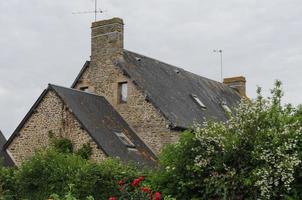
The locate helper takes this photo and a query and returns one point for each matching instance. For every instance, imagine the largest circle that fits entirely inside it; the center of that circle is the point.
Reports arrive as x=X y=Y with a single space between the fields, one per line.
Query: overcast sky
x=42 y=42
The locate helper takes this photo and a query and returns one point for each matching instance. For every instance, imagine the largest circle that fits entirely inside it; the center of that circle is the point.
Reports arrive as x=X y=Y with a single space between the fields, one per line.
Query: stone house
x=124 y=104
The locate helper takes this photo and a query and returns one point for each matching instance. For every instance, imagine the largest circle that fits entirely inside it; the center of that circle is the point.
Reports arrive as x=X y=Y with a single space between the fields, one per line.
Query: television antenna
x=219 y=51
x=96 y=11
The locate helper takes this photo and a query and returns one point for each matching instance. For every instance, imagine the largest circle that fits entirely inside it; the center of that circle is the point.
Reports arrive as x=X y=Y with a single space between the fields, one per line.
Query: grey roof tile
x=101 y=121
x=170 y=89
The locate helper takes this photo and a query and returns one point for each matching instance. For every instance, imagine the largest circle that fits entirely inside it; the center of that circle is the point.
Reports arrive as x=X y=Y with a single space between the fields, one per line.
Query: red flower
x=157 y=196
x=141 y=178
x=121 y=182
x=112 y=198
x=135 y=182
x=145 y=189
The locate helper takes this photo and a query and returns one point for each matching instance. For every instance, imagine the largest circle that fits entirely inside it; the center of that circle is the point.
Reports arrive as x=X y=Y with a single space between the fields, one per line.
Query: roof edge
x=24 y=120
x=85 y=66
x=78 y=120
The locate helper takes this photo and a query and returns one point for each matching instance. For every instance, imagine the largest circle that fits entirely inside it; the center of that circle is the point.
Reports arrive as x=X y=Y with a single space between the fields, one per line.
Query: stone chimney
x=238 y=83
x=107 y=39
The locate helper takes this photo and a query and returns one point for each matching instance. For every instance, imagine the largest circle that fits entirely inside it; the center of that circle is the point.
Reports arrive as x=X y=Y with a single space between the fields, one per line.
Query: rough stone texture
x=85 y=82
x=104 y=76
x=50 y=115
x=238 y=83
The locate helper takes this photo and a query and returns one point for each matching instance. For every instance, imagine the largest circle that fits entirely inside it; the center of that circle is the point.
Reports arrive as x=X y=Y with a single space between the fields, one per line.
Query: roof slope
x=7 y=161
x=101 y=121
x=170 y=89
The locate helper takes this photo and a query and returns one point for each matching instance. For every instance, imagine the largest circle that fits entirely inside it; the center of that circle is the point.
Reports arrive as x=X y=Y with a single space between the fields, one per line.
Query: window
x=84 y=88
x=198 y=101
x=123 y=92
x=226 y=107
x=124 y=139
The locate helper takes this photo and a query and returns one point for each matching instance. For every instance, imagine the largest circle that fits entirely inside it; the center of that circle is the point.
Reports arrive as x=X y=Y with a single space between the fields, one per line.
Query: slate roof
x=101 y=121
x=170 y=89
x=5 y=158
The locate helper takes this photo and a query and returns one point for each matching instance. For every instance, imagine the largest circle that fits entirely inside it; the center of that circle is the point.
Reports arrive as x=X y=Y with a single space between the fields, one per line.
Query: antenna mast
x=221 y=67
x=96 y=11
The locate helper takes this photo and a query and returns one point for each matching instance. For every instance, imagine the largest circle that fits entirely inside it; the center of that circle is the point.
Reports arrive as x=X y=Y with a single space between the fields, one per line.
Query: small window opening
x=123 y=92
x=84 y=88
x=198 y=101
x=226 y=107
x=124 y=139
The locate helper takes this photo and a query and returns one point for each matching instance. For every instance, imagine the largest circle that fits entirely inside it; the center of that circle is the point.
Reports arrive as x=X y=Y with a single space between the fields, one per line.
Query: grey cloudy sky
x=41 y=42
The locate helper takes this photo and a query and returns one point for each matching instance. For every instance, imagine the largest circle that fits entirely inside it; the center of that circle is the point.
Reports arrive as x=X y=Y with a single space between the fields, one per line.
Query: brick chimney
x=107 y=38
x=238 y=83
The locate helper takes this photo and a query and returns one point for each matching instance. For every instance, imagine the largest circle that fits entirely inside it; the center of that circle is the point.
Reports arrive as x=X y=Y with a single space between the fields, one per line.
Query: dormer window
x=198 y=101
x=123 y=92
x=124 y=139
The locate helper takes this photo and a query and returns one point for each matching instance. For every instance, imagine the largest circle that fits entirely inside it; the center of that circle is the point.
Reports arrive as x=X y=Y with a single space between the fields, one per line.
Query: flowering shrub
x=135 y=189
x=256 y=154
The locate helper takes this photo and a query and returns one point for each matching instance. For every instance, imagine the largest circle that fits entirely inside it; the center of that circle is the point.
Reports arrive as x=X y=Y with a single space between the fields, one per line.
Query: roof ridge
x=155 y=59
x=169 y=89
x=171 y=65
x=76 y=90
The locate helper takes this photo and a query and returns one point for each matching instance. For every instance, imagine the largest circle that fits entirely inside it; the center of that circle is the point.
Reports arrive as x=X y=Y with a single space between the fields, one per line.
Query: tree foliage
x=256 y=154
x=53 y=172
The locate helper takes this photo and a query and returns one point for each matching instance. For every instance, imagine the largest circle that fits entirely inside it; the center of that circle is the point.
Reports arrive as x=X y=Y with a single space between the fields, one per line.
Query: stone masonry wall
x=103 y=76
x=50 y=115
x=141 y=115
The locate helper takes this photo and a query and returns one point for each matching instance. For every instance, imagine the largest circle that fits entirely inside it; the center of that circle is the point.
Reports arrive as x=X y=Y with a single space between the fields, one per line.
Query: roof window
x=124 y=139
x=177 y=71
x=226 y=108
x=198 y=101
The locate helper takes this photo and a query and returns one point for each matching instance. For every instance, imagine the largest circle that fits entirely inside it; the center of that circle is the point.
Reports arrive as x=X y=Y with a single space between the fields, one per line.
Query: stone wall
x=50 y=115
x=104 y=76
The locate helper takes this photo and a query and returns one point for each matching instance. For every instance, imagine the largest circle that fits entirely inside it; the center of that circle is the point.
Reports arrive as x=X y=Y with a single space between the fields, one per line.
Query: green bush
x=85 y=151
x=7 y=183
x=256 y=154
x=61 y=144
x=52 y=172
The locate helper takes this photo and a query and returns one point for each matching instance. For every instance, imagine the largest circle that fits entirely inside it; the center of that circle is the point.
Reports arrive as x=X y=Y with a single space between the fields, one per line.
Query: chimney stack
x=238 y=83
x=107 y=38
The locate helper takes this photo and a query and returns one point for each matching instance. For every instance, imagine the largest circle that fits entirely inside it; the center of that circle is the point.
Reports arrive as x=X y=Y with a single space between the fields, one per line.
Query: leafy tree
x=256 y=154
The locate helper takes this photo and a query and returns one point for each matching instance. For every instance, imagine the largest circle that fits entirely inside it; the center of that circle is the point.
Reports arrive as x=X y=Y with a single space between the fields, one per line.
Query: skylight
x=226 y=107
x=124 y=139
x=198 y=101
